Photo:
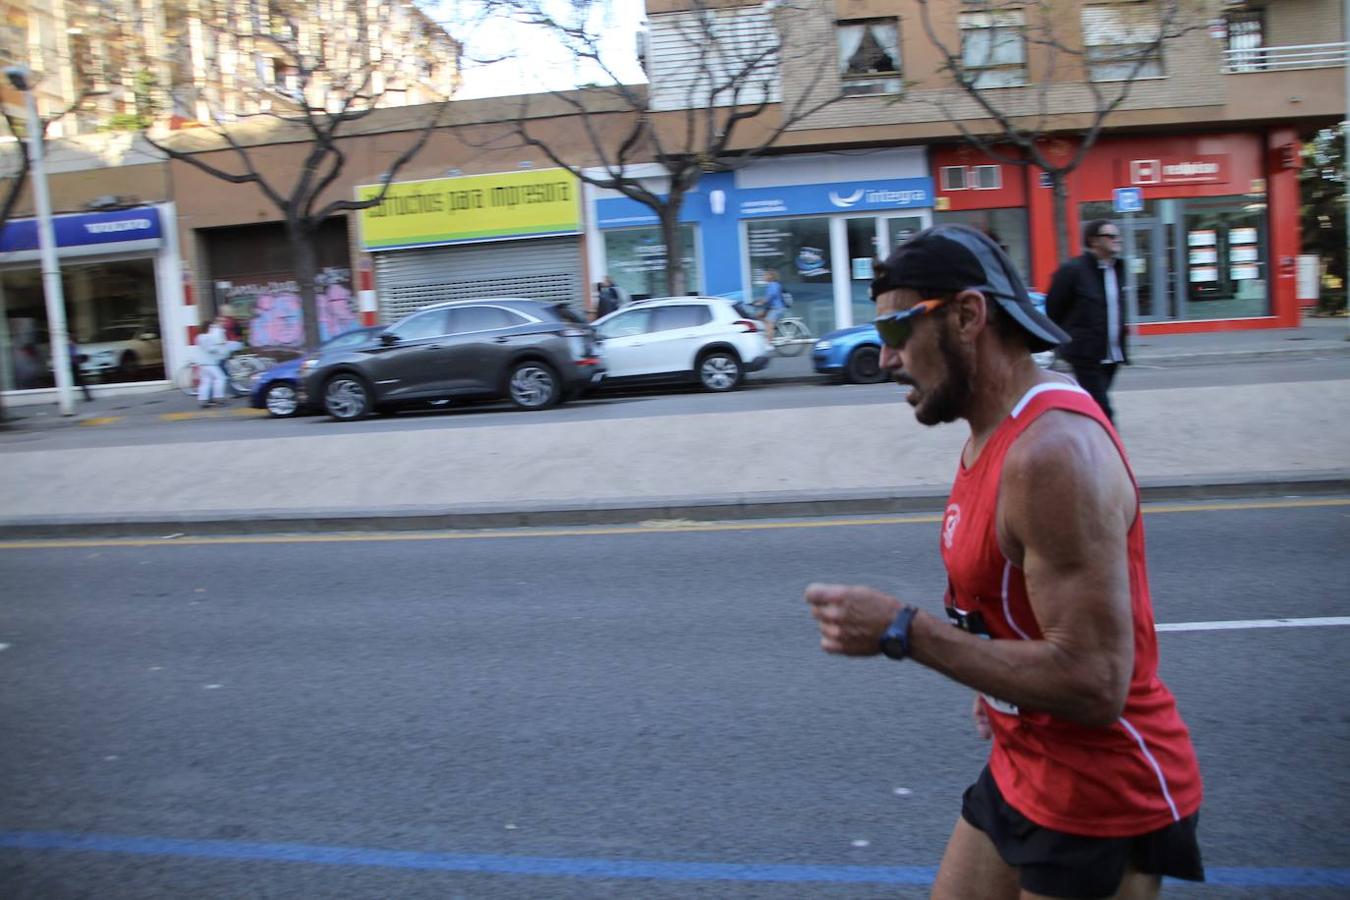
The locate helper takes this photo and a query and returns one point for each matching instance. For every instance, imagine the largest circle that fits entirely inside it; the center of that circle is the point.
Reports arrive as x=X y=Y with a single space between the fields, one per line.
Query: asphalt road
x=169 y=417
x=633 y=712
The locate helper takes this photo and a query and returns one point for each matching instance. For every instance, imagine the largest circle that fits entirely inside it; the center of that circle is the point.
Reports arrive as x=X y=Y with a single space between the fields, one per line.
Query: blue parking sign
x=1128 y=200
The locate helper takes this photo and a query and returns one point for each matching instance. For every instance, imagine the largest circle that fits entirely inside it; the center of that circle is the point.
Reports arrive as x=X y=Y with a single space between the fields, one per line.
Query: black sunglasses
x=895 y=328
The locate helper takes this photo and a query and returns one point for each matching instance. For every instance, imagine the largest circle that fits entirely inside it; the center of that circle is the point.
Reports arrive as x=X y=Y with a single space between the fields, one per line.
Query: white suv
x=701 y=339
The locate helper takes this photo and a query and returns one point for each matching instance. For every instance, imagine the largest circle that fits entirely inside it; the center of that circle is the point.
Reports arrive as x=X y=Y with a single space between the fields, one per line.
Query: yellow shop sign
x=471 y=208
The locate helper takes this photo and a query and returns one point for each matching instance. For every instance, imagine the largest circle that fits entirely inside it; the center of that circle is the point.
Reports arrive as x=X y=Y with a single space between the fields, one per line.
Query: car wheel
x=346 y=397
x=281 y=400
x=720 y=371
x=533 y=385
x=864 y=366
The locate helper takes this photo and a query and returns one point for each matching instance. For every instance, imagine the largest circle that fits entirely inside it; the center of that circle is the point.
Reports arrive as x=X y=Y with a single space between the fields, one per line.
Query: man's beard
x=948 y=399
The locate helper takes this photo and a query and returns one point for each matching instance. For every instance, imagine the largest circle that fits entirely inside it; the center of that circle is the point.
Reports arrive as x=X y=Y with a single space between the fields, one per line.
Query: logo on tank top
x=950 y=520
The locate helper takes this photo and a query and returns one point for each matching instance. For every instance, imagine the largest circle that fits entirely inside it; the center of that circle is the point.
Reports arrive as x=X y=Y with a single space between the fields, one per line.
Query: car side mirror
x=388 y=338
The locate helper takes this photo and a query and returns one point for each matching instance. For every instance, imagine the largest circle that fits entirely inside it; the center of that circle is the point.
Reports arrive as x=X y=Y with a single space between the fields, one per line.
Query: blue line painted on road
x=564 y=867
x=461 y=862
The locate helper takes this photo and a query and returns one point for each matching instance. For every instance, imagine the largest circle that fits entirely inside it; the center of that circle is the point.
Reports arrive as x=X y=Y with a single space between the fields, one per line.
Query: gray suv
x=533 y=353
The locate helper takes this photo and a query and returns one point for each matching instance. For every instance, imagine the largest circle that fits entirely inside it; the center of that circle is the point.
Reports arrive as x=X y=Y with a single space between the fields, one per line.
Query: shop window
x=1121 y=41
x=993 y=48
x=987 y=178
x=799 y=251
x=1226 y=266
x=1246 y=40
x=869 y=56
x=953 y=178
x=636 y=260
x=112 y=314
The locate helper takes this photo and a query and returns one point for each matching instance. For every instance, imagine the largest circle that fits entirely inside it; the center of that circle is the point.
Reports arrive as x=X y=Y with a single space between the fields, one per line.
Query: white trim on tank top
x=1157 y=769
x=1041 y=389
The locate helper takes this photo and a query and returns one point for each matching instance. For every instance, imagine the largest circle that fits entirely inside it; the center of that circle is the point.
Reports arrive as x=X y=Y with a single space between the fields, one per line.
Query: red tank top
x=1130 y=778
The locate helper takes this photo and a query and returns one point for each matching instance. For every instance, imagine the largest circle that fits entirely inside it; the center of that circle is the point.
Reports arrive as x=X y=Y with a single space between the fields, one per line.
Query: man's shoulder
x=1065 y=456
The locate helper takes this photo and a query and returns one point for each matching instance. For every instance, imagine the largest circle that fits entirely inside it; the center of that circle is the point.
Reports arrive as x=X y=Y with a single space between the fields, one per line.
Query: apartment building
x=1217 y=97
x=180 y=61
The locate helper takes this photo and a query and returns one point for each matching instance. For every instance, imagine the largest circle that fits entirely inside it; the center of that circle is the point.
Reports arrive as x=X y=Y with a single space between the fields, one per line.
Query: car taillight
x=747 y=325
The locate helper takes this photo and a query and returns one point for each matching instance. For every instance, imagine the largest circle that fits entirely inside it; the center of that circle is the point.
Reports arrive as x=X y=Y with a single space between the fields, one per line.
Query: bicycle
x=239 y=372
x=791 y=336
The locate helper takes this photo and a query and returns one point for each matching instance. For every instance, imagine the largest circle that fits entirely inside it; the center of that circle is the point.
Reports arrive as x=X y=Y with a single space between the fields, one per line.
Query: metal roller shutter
x=541 y=269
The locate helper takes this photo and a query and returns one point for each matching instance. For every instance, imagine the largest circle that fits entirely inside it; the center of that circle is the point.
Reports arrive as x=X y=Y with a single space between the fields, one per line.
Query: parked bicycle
x=791 y=336
x=239 y=372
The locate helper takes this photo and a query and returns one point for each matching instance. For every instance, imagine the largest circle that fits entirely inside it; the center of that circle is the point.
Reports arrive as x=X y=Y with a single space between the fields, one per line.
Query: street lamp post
x=20 y=78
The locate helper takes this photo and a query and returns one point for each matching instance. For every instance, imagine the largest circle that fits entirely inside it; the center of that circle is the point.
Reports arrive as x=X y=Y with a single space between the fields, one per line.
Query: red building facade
x=1214 y=246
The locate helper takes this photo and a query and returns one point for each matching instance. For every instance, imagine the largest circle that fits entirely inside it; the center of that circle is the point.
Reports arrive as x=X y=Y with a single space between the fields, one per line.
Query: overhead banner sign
x=847 y=196
x=531 y=203
x=1200 y=169
x=137 y=228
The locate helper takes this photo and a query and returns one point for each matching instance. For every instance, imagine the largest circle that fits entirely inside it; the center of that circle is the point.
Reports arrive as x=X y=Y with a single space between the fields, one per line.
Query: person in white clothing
x=212 y=348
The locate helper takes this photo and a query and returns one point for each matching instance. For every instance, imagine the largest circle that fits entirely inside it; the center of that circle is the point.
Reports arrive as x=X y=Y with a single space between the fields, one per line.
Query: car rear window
x=686 y=315
x=466 y=319
x=422 y=325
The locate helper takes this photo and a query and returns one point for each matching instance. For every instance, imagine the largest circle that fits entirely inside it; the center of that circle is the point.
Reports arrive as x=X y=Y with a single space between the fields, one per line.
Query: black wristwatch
x=895 y=641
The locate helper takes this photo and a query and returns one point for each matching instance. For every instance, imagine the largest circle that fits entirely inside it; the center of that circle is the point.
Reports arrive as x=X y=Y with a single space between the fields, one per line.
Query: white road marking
x=1244 y=624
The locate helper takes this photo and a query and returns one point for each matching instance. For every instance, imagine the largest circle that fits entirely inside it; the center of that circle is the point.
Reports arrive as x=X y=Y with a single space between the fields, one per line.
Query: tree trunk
x=670 y=235
x=306 y=269
x=1061 y=195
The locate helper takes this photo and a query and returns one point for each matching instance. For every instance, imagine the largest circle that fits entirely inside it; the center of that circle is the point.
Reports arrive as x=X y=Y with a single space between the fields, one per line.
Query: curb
x=803 y=504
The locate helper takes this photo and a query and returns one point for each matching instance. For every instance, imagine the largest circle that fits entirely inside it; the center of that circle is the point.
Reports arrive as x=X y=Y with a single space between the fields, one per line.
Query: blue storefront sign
x=85 y=233
x=838 y=197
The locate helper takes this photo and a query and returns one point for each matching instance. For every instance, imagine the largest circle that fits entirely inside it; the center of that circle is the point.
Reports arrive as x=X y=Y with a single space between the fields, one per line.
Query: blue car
x=854 y=354
x=278 y=389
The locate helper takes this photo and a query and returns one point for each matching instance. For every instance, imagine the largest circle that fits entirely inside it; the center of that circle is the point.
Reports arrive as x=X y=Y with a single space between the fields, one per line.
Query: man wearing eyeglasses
x=1086 y=299
x=1092 y=787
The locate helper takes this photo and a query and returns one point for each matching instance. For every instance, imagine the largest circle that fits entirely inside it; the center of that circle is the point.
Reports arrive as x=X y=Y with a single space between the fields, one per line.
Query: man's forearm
x=1035 y=674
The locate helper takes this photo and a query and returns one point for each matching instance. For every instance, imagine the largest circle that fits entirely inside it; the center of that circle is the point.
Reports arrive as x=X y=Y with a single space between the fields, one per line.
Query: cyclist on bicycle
x=773 y=304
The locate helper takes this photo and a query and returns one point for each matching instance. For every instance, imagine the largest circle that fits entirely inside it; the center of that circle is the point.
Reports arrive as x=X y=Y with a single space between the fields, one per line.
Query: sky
x=531 y=60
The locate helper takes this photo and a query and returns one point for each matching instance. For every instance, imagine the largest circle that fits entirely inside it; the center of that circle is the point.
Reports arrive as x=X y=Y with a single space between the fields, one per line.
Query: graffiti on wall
x=273 y=310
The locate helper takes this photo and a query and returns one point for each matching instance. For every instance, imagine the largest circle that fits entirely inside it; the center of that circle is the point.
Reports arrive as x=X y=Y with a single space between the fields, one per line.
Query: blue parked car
x=854 y=354
x=277 y=390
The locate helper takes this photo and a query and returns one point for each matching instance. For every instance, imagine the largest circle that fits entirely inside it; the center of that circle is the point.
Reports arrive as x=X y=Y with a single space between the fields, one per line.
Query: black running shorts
x=1058 y=864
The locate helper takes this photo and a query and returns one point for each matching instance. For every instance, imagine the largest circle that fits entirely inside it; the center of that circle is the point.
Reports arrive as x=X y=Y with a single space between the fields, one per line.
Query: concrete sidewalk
x=1184 y=442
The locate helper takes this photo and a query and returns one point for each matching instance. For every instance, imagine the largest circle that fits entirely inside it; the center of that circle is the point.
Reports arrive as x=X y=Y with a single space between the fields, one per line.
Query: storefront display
x=509 y=234
x=636 y=259
x=799 y=251
x=111 y=282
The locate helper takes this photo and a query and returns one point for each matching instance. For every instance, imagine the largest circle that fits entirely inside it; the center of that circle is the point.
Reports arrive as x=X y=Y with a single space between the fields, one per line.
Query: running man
x=1092 y=787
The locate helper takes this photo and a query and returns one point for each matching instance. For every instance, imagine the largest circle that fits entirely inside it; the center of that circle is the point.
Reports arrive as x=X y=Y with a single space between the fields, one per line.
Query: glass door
x=862 y=249
x=1148 y=265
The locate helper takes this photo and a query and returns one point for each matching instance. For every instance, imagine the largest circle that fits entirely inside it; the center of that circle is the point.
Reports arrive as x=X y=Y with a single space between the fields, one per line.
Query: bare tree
x=318 y=88
x=716 y=110
x=1086 y=67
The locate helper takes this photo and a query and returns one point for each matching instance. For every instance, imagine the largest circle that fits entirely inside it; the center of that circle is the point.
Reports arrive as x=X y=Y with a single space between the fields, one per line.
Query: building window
x=636 y=258
x=1122 y=41
x=953 y=178
x=799 y=251
x=993 y=48
x=869 y=56
x=1246 y=40
x=987 y=178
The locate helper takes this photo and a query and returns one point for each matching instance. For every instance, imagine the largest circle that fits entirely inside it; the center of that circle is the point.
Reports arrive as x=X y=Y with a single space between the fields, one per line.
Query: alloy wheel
x=282 y=401
x=532 y=386
x=345 y=398
x=719 y=372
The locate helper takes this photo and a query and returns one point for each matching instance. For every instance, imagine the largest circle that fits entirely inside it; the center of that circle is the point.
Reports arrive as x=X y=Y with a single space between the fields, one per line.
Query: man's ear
x=971 y=313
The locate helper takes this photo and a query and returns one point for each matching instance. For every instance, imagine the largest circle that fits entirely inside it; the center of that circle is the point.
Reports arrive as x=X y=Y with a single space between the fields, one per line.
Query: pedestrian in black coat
x=1087 y=299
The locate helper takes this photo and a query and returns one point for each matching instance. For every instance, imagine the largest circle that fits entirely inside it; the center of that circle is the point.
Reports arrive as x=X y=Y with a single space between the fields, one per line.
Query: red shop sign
x=1199 y=169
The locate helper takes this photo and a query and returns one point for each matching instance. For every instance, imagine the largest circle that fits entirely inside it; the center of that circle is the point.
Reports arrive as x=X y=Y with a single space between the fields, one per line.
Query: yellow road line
x=102 y=420
x=657 y=526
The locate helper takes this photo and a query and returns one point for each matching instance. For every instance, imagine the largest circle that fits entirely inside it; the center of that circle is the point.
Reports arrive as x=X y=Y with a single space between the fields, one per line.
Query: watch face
x=893 y=646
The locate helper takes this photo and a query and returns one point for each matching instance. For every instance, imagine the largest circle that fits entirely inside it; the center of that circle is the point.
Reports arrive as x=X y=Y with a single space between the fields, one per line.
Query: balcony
x=1293 y=56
